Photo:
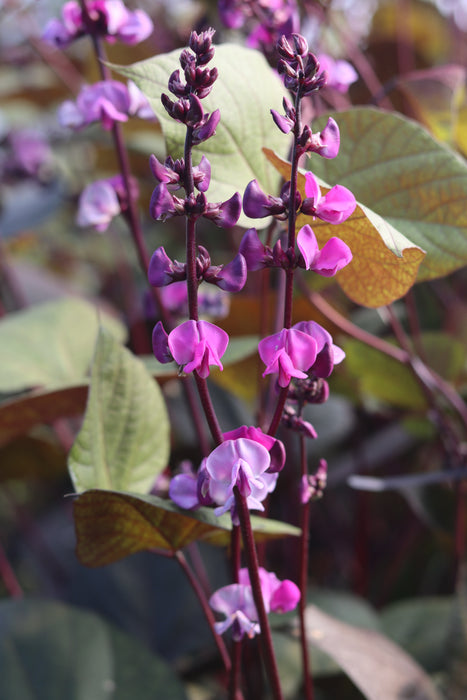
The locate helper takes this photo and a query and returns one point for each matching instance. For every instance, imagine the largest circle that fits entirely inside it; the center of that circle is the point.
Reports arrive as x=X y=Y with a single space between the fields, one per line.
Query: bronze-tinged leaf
x=384 y=265
x=377 y=666
x=110 y=526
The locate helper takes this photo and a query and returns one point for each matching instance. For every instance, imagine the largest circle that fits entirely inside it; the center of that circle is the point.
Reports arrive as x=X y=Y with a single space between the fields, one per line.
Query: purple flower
x=335 y=207
x=194 y=345
x=340 y=73
x=289 y=353
x=108 y=18
x=107 y=101
x=274 y=447
x=327 y=354
x=225 y=214
x=326 y=143
x=257 y=204
x=98 y=204
x=334 y=255
x=236 y=602
x=30 y=153
x=313 y=485
x=242 y=463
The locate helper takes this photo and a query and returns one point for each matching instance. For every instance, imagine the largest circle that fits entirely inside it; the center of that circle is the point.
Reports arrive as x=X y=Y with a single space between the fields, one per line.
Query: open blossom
x=334 y=207
x=274 y=446
x=333 y=256
x=194 y=345
x=340 y=74
x=289 y=353
x=243 y=463
x=108 y=18
x=107 y=101
x=98 y=205
x=327 y=353
x=236 y=602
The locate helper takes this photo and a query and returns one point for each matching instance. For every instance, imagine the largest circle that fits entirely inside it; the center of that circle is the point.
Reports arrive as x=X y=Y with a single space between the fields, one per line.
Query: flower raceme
x=236 y=602
x=107 y=18
x=107 y=101
x=194 y=345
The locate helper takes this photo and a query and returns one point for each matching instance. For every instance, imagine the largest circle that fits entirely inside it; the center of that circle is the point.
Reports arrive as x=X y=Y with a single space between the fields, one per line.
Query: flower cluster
x=236 y=602
x=107 y=102
x=109 y=19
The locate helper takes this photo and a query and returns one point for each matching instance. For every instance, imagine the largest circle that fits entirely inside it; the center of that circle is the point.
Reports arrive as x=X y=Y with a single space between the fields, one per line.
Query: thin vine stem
x=303 y=577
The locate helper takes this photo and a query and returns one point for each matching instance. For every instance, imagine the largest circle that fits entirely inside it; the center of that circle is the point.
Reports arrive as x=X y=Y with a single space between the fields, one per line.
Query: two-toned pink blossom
x=332 y=257
x=289 y=353
x=193 y=345
x=334 y=207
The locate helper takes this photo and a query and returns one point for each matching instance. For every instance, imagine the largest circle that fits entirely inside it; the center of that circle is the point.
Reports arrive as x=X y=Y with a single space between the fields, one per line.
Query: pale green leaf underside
x=124 y=441
x=245 y=92
x=415 y=183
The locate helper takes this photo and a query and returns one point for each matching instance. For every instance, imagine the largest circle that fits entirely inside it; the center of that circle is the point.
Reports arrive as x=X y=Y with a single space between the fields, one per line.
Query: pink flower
x=340 y=74
x=242 y=463
x=288 y=353
x=194 y=345
x=334 y=255
x=328 y=354
x=335 y=207
x=98 y=205
x=274 y=447
x=236 y=602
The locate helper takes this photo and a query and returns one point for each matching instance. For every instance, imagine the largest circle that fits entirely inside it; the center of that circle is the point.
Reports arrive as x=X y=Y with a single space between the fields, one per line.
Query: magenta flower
x=340 y=74
x=335 y=207
x=289 y=353
x=194 y=345
x=242 y=463
x=327 y=354
x=334 y=255
x=274 y=447
x=98 y=204
x=236 y=602
x=326 y=143
x=107 y=101
x=109 y=19
x=257 y=204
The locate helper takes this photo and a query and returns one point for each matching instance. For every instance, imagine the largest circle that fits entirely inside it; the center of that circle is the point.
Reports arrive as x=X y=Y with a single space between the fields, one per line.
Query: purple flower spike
x=98 y=205
x=232 y=277
x=288 y=353
x=195 y=345
x=335 y=207
x=257 y=204
x=275 y=447
x=242 y=463
x=334 y=255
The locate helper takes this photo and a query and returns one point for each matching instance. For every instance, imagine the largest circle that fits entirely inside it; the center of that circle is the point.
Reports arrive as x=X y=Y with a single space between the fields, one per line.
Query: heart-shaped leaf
x=124 y=441
x=111 y=526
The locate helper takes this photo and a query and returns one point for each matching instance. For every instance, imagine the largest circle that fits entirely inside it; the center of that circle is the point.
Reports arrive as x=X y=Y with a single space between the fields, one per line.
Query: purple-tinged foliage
x=193 y=345
x=107 y=101
x=109 y=19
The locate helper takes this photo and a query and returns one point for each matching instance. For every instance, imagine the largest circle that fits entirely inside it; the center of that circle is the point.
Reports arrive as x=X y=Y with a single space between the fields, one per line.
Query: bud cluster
x=299 y=67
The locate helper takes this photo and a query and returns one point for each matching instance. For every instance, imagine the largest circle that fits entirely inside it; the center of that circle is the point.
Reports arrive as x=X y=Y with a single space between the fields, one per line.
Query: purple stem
x=253 y=569
x=303 y=578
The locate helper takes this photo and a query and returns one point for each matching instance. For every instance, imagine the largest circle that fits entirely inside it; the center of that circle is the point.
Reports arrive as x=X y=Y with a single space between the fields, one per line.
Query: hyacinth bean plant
x=245 y=197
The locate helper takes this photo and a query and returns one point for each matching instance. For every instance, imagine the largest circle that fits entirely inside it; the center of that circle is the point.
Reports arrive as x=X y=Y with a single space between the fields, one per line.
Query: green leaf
x=111 y=526
x=50 y=344
x=52 y=651
x=418 y=185
x=124 y=441
x=246 y=124
x=422 y=627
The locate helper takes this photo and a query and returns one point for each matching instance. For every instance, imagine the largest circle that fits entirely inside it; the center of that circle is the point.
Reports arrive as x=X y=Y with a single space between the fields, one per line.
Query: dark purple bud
x=285 y=50
x=255 y=253
x=195 y=113
x=285 y=196
x=283 y=123
x=294 y=422
x=201 y=43
x=186 y=59
x=203 y=262
x=164 y=173
x=163 y=205
x=176 y=86
x=257 y=204
x=207 y=129
x=160 y=344
x=300 y=44
x=160 y=268
x=195 y=206
x=202 y=175
x=226 y=214
x=232 y=276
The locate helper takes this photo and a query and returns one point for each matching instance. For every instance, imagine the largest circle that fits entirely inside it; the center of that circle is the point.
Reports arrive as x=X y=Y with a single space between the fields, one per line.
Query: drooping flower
x=327 y=353
x=243 y=463
x=107 y=101
x=289 y=353
x=236 y=602
x=194 y=345
x=334 y=207
x=333 y=256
